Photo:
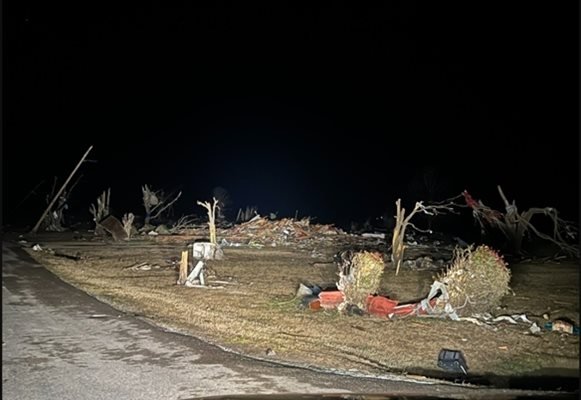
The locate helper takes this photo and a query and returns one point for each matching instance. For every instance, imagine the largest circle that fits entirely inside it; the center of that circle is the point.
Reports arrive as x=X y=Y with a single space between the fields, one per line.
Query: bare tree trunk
x=211 y=218
x=397 y=241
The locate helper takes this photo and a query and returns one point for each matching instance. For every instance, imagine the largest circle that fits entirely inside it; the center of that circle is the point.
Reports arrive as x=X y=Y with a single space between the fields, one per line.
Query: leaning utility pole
x=33 y=231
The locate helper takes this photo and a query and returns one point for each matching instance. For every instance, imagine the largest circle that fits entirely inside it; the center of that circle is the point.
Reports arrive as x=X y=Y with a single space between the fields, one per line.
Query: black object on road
x=452 y=360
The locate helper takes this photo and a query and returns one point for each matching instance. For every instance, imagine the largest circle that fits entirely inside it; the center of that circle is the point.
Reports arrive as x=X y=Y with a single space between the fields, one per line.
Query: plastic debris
x=304 y=291
x=534 y=328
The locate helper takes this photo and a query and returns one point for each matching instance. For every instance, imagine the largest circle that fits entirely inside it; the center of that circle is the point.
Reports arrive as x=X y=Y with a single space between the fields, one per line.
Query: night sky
x=333 y=111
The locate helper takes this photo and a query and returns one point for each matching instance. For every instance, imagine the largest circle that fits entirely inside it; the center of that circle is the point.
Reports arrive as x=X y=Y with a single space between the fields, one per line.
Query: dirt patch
x=253 y=309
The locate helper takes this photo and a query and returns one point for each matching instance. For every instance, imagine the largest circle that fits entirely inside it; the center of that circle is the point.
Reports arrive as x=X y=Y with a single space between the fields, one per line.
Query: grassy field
x=251 y=308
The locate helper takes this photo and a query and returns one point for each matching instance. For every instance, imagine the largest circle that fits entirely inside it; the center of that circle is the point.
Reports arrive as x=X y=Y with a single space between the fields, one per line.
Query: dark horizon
x=335 y=112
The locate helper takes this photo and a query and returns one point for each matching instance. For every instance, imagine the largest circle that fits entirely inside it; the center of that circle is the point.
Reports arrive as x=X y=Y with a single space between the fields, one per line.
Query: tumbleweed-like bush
x=477 y=280
x=359 y=276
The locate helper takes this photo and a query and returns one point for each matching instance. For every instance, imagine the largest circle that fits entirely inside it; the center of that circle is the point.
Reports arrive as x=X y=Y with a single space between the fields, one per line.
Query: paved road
x=59 y=343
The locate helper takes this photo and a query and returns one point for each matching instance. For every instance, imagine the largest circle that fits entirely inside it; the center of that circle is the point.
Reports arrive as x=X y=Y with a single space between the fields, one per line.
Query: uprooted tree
x=514 y=225
x=156 y=203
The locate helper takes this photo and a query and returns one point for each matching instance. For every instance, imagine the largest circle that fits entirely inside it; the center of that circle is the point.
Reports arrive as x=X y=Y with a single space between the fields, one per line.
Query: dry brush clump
x=359 y=276
x=477 y=280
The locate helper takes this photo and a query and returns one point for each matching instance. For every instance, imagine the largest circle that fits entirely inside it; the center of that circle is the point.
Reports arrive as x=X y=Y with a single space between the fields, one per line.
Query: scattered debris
x=534 y=329
x=380 y=306
x=331 y=299
x=143 y=266
x=373 y=235
x=304 y=291
x=262 y=230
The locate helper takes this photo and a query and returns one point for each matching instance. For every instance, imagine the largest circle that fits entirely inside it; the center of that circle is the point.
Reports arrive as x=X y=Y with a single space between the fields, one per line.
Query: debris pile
x=286 y=230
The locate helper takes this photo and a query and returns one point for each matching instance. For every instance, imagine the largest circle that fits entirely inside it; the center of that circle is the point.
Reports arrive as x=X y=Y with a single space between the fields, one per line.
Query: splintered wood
x=183 y=268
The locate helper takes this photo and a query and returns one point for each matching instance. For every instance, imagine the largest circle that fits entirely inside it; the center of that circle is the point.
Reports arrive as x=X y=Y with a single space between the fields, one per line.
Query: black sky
x=329 y=110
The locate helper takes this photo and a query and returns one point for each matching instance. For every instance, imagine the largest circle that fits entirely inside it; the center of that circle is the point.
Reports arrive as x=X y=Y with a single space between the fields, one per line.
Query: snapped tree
x=402 y=222
x=211 y=208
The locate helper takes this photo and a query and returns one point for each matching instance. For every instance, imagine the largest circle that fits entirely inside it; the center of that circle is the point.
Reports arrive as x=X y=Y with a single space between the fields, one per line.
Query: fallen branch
x=185 y=222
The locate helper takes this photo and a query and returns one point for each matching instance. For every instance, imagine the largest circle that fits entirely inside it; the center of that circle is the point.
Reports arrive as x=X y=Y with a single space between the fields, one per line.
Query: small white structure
x=202 y=251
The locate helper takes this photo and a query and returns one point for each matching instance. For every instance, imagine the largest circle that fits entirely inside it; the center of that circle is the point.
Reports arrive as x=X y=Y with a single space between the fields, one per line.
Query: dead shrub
x=477 y=280
x=359 y=276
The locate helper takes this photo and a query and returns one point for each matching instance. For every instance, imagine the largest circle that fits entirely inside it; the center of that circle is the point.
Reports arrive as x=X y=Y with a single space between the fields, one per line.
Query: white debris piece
x=534 y=328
